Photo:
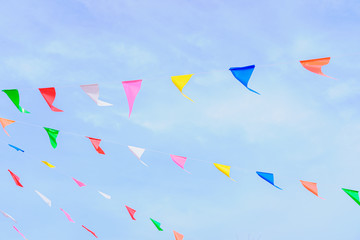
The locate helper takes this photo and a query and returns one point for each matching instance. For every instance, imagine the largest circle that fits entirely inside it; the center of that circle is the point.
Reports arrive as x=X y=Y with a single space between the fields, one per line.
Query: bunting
x=67 y=216
x=14 y=96
x=311 y=186
x=7 y=215
x=178 y=236
x=80 y=184
x=180 y=161
x=131 y=88
x=19 y=232
x=138 y=152
x=96 y=143
x=16 y=148
x=157 y=224
x=269 y=177
x=16 y=178
x=353 y=194
x=131 y=212
x=314 y=65
x=224 y=169
x=92 y=90
x=180 y=82
x=49 y=95
x=243 y=74
x=53 y=133
x=89 y=231
x=48 y=164
x=5 y=122
x=105 y=195
x=45 y=199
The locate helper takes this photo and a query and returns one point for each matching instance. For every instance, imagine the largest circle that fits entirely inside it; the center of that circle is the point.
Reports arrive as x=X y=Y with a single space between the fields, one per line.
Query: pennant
x=180 y=82
x=6 y=122
x=311 y=186
x=180 y=161
x=7 y=215
x=131 y=212
x=89 y=231
x=96 y=143
x=19 y=232
x=48 y=164
x=314 y=65
x=92 y=90
x=353 y=194
x=243 y=74
x=67 y=215
x=53 y=133
x=178 y=236
x=45 y=199
x=16 y=179
x=269 y=177
x=224 y=169
x=14 y=96
x=79 y=183
x=138 y=152
x=16 y=148
x=131 y=88
x=49 y=96
x=105 y=195
x=157 y=224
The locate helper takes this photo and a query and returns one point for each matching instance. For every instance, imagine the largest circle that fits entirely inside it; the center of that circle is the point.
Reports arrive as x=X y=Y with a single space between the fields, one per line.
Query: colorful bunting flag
x=311 y=186
x=92 y=90
x=7 y=215
x=45 y=199
x=157 y=224
x=6 y=122
x=269 y=177
x=16 y=148
x=96 y=143
x=49 y=96
x=224 y=169
x=89 y=231
x=14 y=96
x=19 y=232
x=178 y=236
x=243 y=74
x=131 y=212
x=180 y=161
x=53 y=133
x=79 y=183
x=138 y=152
x=180 y=82
x=67 y=216
x=48 y=164
x=314 y=65
x=131 y=88
x=16 y=178
x=353 y=194
x=105 y=195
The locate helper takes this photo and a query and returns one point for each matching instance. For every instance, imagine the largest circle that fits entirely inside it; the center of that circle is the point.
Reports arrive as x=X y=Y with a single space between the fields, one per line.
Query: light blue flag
x=16 y=148
x=243 y=74
x=269 y=177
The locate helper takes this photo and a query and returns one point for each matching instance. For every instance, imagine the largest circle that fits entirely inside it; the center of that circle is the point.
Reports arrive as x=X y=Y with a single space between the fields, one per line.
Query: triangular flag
x=79 y=183
x=131 y=212
x=96 y=143
x=7 y=215
x=105 y=195
x=92 y=90
x=157 y=224
x=89 y=231
x=243 y=74
x=311 y=186
x=353 y=194
x=314 y=65
x=138 y=152
x=269 y=177
x=16 y=148
x=19 y=232
x=49 y=96
x=67 y=215
x=45 y=199
x=224 y=169
x=53 y=133
x=180 y=161
x=5 y=122
x=180 y=81
x=14 y=96
x=48 y=164
x=131 y=90
x=178 y=236
x=16 y=179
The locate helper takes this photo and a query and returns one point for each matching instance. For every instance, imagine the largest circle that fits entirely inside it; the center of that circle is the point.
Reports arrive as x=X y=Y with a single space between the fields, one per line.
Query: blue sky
x=302 y=126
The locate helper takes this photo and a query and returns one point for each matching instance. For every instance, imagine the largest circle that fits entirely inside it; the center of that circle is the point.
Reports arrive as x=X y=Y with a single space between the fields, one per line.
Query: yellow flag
x=224 y=169
x=180 y=82
x=48 y=164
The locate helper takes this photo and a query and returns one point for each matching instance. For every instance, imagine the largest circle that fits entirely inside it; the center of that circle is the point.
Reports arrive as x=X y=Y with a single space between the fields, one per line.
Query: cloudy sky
x=302 y=127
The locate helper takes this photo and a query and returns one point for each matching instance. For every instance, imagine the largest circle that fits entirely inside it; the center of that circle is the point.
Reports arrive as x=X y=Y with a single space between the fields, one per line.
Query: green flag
x=14 y=96
x=53 y=133
x=157 y=224
x=353 y=194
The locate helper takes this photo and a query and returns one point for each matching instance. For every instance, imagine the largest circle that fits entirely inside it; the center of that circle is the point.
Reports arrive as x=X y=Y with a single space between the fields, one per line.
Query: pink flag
x=67 y=215
x=180 y=161
x=178 y=236
x=96 y=143
x=131 y=212
x=131 y=90
x=79 y=183
x=5 y=122
x=19 y=232
x=49 y=96
x=89 y=231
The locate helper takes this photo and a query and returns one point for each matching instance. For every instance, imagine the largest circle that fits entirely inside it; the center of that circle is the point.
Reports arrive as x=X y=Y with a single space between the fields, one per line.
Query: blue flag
x=16 y=148
x=269 y=177
x=243 y=74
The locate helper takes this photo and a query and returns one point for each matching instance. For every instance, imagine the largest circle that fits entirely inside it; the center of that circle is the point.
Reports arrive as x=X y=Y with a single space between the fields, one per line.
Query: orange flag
x=311 y=186
x=314 y=65
x=5 y=122
x=178 y=236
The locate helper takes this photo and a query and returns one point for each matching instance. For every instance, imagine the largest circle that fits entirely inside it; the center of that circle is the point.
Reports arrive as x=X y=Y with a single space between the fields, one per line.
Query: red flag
x=49 y=96
x=96 y=142
x=131 y=212
x=89 y=231
x=16 y=179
